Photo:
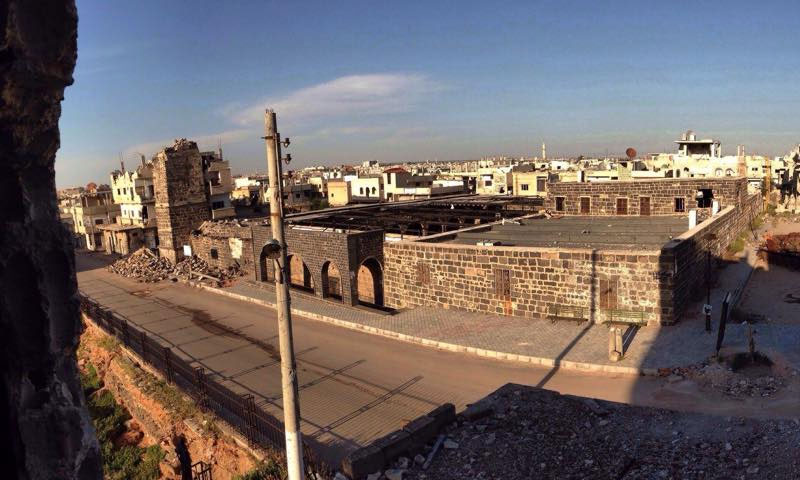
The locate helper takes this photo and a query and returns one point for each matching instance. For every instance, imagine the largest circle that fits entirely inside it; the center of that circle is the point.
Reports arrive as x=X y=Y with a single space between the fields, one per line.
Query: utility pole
x=291 y=405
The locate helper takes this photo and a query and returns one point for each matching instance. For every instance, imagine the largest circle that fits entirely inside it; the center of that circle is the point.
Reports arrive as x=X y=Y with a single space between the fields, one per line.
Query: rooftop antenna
x=219 y=147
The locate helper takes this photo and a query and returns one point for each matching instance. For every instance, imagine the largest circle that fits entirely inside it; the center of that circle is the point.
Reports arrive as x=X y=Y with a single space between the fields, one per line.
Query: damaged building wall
x=46 y=431
x=224 y=244
x=600 y=198
x=181 y=201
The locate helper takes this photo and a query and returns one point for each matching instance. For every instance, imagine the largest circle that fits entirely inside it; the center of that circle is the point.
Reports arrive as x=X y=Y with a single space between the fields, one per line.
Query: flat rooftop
x=581 y=232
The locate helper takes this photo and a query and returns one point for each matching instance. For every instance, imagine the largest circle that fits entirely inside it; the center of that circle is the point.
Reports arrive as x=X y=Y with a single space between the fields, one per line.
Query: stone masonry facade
x=657 y=284
x=181 y=202
x=689 y=253
x=223 y=244
x=318 y=249
x=652 y=196
x=521 y=281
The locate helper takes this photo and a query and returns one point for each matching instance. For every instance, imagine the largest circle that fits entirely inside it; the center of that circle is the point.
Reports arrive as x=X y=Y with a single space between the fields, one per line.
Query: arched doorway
x=299 y=274
x=331 y=281
x=370 y=283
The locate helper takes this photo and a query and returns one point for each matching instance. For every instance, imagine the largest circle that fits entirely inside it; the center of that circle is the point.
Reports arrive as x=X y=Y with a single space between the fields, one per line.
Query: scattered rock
x=450 y=445
x=396 y=474
x=419 y=459
x=674 y=378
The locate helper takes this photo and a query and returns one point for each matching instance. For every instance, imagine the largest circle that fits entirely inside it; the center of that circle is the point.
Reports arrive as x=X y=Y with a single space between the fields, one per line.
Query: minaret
x=544 y=151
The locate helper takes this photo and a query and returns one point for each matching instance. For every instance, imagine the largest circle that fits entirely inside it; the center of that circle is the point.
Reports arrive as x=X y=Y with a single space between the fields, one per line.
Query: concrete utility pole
x=291 y=405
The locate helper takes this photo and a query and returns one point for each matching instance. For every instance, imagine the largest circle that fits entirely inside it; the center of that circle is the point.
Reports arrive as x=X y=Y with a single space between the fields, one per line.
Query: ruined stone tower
x=181 y=201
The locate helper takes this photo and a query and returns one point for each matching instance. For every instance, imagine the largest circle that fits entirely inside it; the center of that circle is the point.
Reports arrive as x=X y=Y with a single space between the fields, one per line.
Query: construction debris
x=540 y=434
x=144 y=266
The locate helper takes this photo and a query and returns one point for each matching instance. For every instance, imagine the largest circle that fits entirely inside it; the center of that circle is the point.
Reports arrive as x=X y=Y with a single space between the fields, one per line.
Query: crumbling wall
x=224 y=244
x=181 y=201
x=661 y=193
x=46 y=431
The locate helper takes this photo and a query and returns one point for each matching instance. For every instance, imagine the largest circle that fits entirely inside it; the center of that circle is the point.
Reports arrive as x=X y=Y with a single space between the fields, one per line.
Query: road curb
x=480 y=352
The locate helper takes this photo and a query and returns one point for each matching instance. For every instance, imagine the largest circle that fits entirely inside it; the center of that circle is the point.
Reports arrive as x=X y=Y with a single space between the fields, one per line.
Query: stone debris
x=765 y=382
x=450 y=445
x=543 y=435
x=145 y=266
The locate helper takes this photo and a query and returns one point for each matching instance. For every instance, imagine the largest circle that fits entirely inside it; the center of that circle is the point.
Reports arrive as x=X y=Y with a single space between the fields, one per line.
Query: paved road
x=354 y=387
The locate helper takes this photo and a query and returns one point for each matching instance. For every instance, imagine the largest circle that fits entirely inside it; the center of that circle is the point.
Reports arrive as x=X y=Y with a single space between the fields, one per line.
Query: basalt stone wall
x=316 y=248
x=525 y=281
x=689 y=253
x=224 y=245
x=181 y=202
x=661 y=194
x=45 y=431
x=533 y=282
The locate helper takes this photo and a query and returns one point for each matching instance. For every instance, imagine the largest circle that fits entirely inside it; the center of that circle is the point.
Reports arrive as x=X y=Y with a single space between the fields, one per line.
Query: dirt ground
x=773 y=293
x=160 y=413
x=532 y=433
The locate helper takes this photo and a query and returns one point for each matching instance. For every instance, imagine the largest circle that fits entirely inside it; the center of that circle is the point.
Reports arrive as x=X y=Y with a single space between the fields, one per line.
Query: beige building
x=530 y=184
x=90 y=211
x=134 y=192
x=338 y=193
x=494 y=181
x=219 y=185
x=136 y=226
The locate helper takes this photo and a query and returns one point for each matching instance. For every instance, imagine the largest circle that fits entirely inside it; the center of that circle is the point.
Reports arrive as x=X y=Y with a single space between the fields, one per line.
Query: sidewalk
x=564 y=344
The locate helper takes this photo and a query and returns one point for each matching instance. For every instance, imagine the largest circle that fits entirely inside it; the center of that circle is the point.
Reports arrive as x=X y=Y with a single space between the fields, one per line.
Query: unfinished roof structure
x=423 y=217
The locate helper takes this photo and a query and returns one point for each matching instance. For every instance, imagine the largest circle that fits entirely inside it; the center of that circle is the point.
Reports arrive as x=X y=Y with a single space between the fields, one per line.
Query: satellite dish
x=631 y=153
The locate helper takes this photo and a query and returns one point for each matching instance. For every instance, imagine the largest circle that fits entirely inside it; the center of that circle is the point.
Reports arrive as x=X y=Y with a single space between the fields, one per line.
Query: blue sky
x=396 y=81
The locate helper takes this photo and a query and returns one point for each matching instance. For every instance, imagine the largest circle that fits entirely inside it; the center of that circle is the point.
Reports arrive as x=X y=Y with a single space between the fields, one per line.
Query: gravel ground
x=532 y=433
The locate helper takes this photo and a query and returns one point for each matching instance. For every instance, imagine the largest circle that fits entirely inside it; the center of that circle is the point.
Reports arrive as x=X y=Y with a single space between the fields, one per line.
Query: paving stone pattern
x=651 y=348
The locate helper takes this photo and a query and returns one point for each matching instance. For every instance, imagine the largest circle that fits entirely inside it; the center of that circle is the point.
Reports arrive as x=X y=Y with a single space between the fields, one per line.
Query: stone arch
x=331 y=281
x=369 y=281
x=298 y=273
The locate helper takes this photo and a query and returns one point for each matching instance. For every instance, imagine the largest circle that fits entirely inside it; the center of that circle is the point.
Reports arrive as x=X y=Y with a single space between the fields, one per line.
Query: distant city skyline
x=390 y=82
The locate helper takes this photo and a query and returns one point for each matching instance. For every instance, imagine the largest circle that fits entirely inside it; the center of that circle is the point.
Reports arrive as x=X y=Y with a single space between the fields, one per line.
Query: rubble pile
x=197 y=265
x=521 y=432
x=736 y=384
x=143 y=266
x=788 y=243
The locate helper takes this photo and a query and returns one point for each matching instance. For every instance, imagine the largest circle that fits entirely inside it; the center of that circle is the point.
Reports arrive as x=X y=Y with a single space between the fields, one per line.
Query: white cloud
x=203 y=141
x=349 y=95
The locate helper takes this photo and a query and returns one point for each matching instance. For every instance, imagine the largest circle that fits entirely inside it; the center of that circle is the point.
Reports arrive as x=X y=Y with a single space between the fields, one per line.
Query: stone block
x=422 y=430
x=362 y=462
x=443 y=415
x=394 y=444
